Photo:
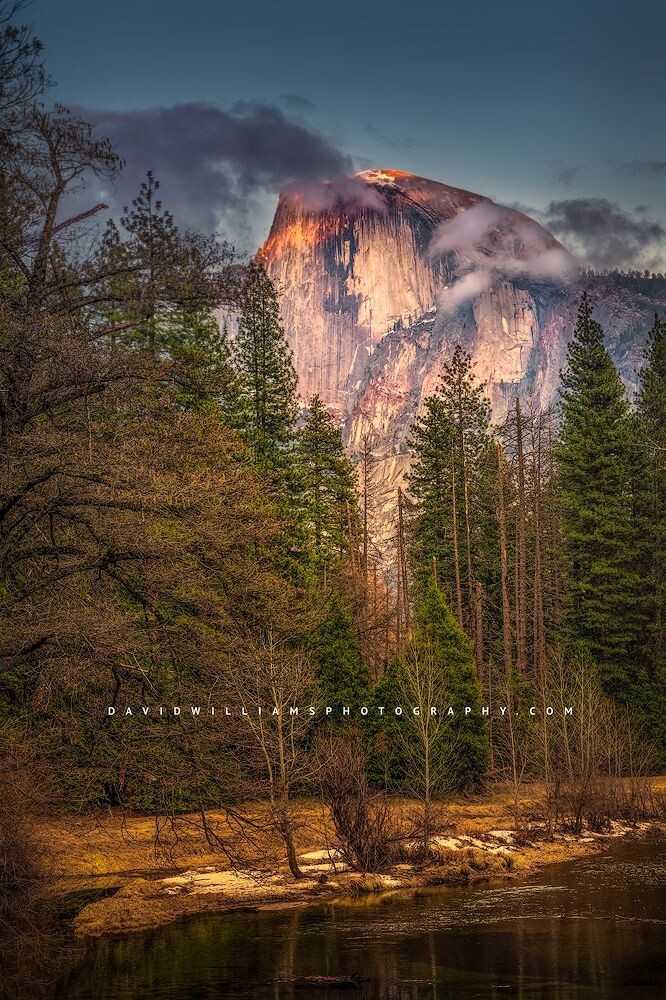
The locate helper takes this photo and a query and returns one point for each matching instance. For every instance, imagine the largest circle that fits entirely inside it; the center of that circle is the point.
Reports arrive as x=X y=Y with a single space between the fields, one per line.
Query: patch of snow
x=200 y=881
x=325 y=866
x=318 y=856
x=377 y=177
x=452 y=843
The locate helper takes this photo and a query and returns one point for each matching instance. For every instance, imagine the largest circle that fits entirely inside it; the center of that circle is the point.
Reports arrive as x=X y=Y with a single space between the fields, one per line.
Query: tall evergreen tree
x=161 y=292
x=593 y=464
x=452 y=478
x=267 y=380
x=326 y=485
x=649 y=449
x=202 y=367
x=387 y=762
x=155 y=236
x=439 y=641
x=430 y=484
x=343 y=676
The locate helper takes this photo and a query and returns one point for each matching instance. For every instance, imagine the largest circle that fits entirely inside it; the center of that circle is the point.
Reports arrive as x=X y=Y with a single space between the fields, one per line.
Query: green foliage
x=438 y=637
x=387 y=764
x=594 y=476
x=266 y=376
x=158 y=290
x=453 y=455
x=443 y=654
x=341 y=672
x=153 y=242
x=203 y=372
x=325 y=486
x=649 y=474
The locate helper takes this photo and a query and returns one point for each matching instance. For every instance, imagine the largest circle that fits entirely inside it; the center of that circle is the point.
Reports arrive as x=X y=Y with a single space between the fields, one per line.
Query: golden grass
x=108 y=843
x=138 y=853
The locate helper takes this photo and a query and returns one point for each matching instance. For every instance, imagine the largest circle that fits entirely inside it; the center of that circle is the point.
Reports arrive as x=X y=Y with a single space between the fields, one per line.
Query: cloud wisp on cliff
x=488 y=241
x=215 y=165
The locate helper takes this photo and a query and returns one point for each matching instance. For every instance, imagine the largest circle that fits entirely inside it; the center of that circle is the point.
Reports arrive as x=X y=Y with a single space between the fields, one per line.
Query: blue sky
x=531 y=103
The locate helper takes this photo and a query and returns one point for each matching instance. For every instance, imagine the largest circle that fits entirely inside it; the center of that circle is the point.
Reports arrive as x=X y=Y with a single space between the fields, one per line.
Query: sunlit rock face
x=354 y=262
x=382 y=274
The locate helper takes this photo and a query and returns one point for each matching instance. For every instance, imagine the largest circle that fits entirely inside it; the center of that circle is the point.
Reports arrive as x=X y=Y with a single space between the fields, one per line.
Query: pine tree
x=649 y=471
x=155 y=238
x=593 y=464
x=453 y=477
x=161 y=293
x=202 y=368
x=430 y=482
x=267 y=380
x=343 y=676
x=439 y=640
x=325 y=485
x=387 y=759
x=650 y=444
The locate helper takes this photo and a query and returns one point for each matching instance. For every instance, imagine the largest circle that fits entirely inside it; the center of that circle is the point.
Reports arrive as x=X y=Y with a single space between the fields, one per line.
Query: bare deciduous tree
x=368 y=833
x=272 y=679
x=425 y=741
x=599 y=755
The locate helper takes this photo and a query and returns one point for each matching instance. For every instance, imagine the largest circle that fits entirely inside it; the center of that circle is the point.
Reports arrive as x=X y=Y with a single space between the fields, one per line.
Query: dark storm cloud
x=564 y=173
x=214 y=164
x=604 y=235
x=644 y=168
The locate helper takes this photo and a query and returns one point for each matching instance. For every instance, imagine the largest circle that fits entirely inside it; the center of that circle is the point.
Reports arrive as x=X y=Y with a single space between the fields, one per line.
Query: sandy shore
x=158 y=873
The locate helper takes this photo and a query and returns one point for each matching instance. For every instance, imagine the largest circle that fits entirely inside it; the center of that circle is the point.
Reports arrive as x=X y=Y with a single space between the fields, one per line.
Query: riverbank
x=592 y=926
x=155 y=872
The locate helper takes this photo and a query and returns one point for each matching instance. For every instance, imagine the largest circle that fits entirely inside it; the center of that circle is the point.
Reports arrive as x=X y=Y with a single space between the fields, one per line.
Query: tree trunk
x=478 y=630
x=292 y=859
x=456 y=555
x=521 y=550
x=539 y=634
x=468 y=530
x=403 y=568
x=553 y=533
x=504 y=558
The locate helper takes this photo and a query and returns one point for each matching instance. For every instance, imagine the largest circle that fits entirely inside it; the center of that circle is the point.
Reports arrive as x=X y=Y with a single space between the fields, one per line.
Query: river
x=595 y=927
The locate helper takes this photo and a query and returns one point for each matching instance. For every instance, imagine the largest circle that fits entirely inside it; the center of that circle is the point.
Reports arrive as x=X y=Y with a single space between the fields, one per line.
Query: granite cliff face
x=381 y=275
x=355 y=262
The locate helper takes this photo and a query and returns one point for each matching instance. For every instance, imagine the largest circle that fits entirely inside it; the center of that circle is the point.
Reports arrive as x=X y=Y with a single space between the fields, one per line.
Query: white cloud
x=463 y=290
x=490 y=241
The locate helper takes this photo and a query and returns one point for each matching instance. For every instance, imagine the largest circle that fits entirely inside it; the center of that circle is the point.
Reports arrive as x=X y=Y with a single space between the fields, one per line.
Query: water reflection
x=594 y=928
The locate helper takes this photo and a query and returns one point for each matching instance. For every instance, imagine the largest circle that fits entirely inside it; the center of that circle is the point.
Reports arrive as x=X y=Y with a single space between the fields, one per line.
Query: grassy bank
x=161 y=870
